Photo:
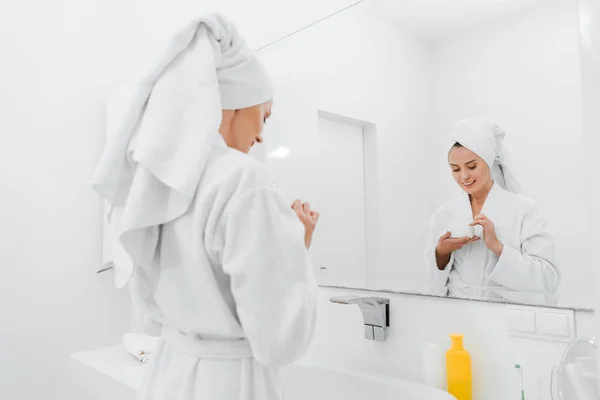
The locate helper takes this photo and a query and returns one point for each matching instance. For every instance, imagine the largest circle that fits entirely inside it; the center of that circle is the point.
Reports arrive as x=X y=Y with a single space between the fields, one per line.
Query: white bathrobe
x=527 y=263
x=234 y=277
x=212 y=250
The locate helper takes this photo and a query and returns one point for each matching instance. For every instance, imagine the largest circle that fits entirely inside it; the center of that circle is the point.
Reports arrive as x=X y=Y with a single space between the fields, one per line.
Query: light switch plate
x=554 y=323
x=542 y=323
x=521 y=320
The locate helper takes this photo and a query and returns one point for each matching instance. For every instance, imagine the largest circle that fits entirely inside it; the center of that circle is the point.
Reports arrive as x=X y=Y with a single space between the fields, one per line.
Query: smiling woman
x=516 y=253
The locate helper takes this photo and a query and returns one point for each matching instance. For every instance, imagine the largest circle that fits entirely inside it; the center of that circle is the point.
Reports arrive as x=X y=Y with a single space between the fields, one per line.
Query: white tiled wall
x=416 y=321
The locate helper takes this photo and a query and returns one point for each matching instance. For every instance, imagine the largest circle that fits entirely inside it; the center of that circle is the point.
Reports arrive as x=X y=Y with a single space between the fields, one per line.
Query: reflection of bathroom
x=413 y=76
x=365 y=95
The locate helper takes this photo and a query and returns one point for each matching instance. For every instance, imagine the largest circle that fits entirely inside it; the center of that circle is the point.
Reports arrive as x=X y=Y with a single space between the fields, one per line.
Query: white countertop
x=109 y=373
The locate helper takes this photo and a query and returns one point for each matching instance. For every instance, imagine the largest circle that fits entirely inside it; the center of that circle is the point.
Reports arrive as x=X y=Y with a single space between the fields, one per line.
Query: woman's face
x=468 y=169
x=242 y=129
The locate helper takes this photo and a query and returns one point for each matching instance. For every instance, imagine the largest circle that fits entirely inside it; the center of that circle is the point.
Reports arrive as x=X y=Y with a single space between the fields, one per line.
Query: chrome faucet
x=375 y=311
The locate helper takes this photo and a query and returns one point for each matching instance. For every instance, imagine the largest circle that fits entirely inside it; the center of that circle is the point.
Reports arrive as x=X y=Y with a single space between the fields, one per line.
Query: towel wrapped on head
x=151 y=166
x=486 y=139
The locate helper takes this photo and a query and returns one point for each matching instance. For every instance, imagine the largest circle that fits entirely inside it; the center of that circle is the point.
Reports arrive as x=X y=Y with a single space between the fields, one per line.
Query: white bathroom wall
x=58 y=60
x=260 y=21
x=344 y=66
x=418 y=320
x=525 y=74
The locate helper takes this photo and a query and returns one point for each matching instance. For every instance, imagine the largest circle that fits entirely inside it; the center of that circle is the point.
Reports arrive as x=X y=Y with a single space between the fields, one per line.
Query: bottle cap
x=457 y=341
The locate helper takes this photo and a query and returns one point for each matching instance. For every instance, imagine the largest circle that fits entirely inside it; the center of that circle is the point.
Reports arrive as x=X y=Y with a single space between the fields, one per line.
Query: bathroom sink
x=112 y=374
x=311 y=381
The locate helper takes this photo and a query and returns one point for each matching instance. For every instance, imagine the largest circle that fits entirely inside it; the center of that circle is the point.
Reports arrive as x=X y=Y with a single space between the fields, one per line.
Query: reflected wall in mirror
x=366 y=102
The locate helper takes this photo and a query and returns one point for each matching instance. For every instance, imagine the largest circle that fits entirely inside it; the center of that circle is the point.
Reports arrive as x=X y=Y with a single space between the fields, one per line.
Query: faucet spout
x=347 y=299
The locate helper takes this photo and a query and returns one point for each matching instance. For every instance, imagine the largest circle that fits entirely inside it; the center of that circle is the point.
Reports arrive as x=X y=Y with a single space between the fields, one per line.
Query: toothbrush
x=518 y=367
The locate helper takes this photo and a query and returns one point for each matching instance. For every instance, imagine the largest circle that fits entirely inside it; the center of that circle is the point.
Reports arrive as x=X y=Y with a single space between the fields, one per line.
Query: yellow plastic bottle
x=458 y=370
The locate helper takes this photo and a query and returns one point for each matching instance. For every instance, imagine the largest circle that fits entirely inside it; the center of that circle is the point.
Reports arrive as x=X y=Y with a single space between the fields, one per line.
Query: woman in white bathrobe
x=489 y=241
x=214 y=254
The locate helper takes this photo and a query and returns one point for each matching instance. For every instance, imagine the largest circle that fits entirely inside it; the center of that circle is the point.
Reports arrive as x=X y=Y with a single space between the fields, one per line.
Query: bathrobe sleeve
x=532 y=267
x=271 y=277
x=438 y=278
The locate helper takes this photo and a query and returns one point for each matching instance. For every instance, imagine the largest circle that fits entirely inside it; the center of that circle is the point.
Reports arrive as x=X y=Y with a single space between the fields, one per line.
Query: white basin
x=311 y=381
x=112 y=374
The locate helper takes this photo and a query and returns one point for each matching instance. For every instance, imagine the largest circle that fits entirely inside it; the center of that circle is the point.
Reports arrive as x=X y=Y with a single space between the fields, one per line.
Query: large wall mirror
x=370 y=104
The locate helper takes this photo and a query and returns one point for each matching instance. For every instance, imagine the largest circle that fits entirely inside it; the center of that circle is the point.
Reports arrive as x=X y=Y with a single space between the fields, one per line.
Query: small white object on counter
x=433 y=366
x=140 y=346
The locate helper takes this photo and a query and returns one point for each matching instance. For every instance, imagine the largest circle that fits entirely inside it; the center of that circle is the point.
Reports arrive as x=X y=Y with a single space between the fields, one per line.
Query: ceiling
x=433 y=20
x=260 y=21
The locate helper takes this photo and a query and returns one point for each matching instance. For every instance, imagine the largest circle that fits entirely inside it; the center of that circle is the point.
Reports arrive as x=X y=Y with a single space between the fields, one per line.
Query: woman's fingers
x=304 y=213
x=306 y=208
x=298 y=208
x=458 y=241
x=315 y=216
x=450 y=239
x=466 y=241
x=480 y=221
x=297 y=205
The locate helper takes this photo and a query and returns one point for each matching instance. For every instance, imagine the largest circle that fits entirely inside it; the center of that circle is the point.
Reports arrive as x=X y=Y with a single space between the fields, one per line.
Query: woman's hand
x=448 y=245
x=309 y=219
x=489 y=234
